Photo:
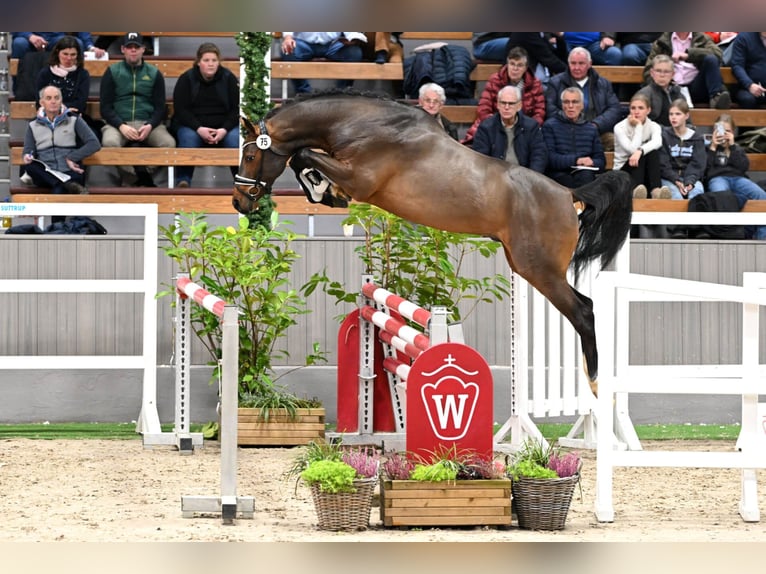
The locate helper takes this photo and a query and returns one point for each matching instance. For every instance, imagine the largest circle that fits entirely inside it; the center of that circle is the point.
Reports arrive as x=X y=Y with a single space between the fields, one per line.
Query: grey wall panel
x=669 y=333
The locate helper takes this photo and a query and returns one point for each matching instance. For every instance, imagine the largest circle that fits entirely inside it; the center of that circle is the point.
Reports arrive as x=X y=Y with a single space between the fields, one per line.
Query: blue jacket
x=449 y=66
x=603 y=109
x=748 y=59
x=567 y=140
x=528 y=142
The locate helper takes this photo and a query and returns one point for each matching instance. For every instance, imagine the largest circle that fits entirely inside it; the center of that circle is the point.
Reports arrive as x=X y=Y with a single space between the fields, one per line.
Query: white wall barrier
x=546 y=365
x=148 y=421
x=614 y=292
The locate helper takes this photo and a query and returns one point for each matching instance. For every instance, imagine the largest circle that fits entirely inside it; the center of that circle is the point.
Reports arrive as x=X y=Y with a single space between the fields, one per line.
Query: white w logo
x=449 y=407
x=450 y=413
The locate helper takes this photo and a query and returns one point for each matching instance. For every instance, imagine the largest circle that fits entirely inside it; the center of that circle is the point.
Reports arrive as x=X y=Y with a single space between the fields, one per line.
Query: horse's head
x=261 y=164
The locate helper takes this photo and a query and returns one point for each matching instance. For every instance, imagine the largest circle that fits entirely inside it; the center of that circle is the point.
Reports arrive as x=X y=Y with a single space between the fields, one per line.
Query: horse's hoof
x=593 y=388
x=333 y=200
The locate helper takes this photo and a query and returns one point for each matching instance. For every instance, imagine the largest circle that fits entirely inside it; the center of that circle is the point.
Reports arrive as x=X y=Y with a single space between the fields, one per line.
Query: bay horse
x=373 y=149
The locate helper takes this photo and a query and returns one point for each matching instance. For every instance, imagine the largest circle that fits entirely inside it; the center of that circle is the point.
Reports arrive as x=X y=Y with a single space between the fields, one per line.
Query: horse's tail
x=605 y=221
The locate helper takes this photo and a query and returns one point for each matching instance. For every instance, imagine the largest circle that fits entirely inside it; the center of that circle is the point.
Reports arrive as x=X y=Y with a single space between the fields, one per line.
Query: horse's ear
x=248 y=125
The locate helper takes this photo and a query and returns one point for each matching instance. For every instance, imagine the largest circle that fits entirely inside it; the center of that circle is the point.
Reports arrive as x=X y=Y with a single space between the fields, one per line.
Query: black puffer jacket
x=449 y=66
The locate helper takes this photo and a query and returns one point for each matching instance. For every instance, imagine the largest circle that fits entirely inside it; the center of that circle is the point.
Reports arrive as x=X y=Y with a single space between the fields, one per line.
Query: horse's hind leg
x=578 y=309
x=550 y=280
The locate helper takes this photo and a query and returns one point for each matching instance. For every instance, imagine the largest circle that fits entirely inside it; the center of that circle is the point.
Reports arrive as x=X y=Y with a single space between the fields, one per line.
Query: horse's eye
x=249 y=157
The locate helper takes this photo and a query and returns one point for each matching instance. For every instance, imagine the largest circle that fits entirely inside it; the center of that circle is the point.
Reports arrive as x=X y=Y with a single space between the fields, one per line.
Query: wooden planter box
x=457 y=503
x=280 y=429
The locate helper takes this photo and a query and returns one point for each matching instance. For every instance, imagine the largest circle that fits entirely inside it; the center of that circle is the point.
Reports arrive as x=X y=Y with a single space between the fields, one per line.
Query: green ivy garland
x=253 y=47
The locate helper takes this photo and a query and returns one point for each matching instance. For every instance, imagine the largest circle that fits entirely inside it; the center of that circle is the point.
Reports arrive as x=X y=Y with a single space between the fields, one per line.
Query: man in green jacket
x=133 y=107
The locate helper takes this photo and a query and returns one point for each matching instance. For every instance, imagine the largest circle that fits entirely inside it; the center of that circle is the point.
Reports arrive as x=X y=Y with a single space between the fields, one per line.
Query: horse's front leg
x=343 y=178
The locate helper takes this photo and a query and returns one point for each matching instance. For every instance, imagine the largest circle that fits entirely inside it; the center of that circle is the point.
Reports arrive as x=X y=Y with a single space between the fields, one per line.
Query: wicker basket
x=543 y=503
x=344 y=510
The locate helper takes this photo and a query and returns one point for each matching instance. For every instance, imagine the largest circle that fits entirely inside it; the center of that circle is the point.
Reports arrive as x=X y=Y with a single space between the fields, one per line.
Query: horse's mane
x=333 y=92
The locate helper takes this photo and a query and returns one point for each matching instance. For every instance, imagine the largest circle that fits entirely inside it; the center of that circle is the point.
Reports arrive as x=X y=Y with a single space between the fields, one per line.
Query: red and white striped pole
x=214 y=304
x=388 y=323
x=405 y=308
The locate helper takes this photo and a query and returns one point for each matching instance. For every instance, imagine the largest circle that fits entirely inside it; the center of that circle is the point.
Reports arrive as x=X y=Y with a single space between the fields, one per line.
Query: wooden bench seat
x=156 y=156
x=327 y=70
x=699 y=116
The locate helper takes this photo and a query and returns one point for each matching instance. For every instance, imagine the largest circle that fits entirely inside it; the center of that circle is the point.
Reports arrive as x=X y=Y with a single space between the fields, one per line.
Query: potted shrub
x=249 y=266
x=342 y=482
x=420 y=264
x=449 y=489
x=543 y=483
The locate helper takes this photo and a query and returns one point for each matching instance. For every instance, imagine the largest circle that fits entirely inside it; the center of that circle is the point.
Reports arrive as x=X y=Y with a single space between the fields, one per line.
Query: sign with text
x=449 y=402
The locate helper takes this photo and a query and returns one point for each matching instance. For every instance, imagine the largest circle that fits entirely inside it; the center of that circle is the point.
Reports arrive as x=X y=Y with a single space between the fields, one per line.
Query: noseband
x=245 y=184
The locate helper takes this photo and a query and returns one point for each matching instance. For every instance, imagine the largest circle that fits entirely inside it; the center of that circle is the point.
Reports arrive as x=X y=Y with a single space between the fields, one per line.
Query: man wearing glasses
x=515 y=72
x=575 y=153
x=660 y=89
x=510 y=135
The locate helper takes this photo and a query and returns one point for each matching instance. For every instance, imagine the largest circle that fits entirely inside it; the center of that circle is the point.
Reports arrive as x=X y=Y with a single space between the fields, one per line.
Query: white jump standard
x=228 y=504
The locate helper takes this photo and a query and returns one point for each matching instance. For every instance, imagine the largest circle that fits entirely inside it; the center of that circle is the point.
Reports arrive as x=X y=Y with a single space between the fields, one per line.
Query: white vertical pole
x=229 y=400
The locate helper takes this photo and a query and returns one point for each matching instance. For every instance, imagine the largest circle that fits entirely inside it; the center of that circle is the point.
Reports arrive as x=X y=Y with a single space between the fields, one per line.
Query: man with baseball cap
x=133 y=107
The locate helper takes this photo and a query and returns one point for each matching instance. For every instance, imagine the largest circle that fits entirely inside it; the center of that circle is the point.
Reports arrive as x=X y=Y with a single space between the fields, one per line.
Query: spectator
x=206 y=102
x=382 y=47
x=660 y=89
x=510 y=135
x=696 y=65
x=105 y=43
x=515 y=72
x=66 y=72
x=682 y=156
x=724 y=41
x=601 y=106
x=635 y=46
x=602 y=48
x=57 y=140
x=490 y=46
x=29 y=48
x=547 y=52
x=336 y=46
x=546 y=55
x=575 y=153
x=637 y=140
x=23 y=42
x=727 y=166
x=748 y=64
x=133 y=107
x=431 y=98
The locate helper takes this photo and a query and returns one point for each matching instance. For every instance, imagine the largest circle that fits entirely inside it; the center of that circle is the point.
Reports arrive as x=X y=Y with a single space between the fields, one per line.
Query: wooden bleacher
x=158 y=156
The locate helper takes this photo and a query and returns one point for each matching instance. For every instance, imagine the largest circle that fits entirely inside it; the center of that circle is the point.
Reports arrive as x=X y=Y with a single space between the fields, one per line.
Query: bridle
x=245 y=184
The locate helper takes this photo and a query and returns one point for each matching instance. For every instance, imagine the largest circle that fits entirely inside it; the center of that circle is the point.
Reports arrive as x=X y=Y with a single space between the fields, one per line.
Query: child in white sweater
x=637 y=140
